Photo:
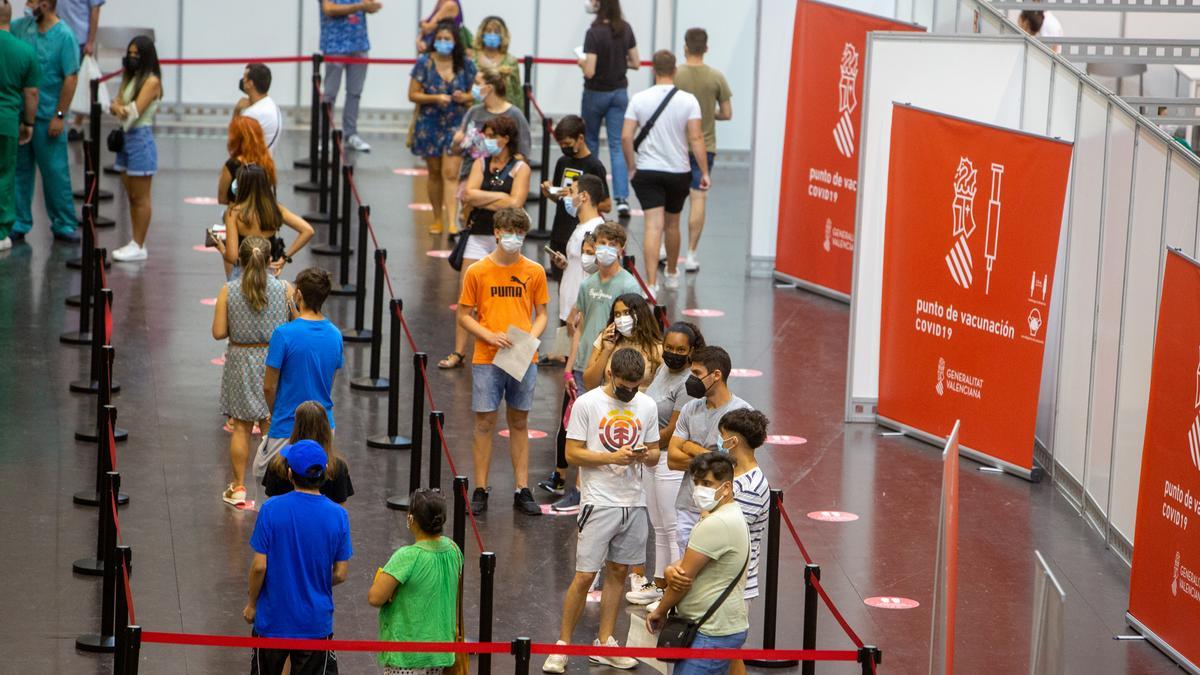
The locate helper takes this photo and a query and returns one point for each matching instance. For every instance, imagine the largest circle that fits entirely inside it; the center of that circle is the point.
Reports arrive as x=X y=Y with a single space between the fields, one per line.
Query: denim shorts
x=490 y=385
x=710 y=666
x=712 y=157
x=139 y=157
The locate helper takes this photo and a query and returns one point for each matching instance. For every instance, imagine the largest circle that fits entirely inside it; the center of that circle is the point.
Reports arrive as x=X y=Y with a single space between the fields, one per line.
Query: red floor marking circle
x=441 y=253
x=833 y=516
x=219 y=361
x=703 y=313
x=421 y=206
x=454 y=307
x=204 y=249
x=201 y=201
x=786 y=440
x=208 y=301
x=410 y=171
x=533 y=433
x=891 y=602
x=745 y=372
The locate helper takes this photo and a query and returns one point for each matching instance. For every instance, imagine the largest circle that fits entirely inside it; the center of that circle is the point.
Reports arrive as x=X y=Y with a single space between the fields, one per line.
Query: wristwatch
x=58 y=114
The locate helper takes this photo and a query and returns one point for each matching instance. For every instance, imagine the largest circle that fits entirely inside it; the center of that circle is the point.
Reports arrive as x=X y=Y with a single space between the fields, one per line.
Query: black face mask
x=695 y=387
x=675 y=361
x=624 y=394
x=242 y=86
x=567 y=151
x=131 y=63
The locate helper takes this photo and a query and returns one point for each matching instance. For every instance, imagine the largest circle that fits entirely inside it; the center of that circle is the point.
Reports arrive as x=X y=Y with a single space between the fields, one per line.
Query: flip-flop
x=448 y=364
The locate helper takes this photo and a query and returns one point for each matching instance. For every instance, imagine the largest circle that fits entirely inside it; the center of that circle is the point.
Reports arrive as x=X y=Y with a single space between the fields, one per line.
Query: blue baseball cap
x=305 y=458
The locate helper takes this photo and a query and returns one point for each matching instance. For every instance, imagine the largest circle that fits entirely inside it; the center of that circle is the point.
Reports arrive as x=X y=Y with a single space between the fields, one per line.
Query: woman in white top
x=136 y=106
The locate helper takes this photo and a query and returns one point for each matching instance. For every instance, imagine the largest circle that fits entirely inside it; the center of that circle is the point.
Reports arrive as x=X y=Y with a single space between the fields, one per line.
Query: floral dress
x=433 y=133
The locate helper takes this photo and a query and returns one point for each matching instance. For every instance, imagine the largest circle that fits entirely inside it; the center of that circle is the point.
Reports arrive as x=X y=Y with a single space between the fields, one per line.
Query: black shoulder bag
x=679 y=633
x=645 y=131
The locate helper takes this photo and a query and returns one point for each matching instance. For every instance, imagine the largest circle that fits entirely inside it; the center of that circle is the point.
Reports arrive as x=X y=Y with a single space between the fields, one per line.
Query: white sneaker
x=130 y=252
x=691 y=264
x=555 y=663
x=652 y=606
x=654 y=289
x=622 y=662
x=645 y=595
x=636 y=581
x=5 y=244
x=357 y=143
x=671 y=281
x=662 y=253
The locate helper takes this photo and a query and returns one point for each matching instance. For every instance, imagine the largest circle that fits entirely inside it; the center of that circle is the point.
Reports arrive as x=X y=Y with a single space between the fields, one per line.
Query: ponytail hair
x=253 y=255
x=497 y=79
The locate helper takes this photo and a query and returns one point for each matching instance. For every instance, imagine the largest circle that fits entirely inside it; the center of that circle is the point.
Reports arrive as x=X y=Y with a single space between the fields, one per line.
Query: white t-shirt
x=1051 y=27
x=666 y=146
x=268 y=116
x=572 y=276
x=605 y=424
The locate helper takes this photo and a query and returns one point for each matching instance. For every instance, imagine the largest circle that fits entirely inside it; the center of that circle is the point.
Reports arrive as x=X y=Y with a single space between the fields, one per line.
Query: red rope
x=359 y=59
x=645 y=289
x=836 y=614
x=538 y=108
x=220 y=61
x=108 y=319
x=792 y=528
x=112 y=446
x=128 y=593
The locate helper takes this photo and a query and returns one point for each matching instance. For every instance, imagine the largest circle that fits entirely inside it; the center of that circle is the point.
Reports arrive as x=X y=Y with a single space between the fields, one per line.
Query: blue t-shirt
x=344 y=34
x=57 y=52
x=302 y=535
x=77 y=14
x=307 y=354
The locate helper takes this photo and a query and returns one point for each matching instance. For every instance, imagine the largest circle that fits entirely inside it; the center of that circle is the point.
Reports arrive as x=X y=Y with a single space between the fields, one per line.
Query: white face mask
x=589 y=263
x=589 y=6
x=624 y=324
x=704 y=497
x=511 y=243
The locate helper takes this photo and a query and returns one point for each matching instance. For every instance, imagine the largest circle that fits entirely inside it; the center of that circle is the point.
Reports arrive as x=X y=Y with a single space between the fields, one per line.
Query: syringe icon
x=992 y=239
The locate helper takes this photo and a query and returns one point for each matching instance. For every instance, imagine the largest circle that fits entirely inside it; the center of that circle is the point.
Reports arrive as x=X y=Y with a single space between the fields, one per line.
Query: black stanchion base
x=89 y=566
x=306 y=186
x=369 y=383
x=327 y=249
x=762 y=663
x=303 y=163
x=76 y=337
x=100 y=644
x=316 y=217
x=385 y=442
x=349 y=290
x=119 y=435
x=92 y=498
x=73 y=300
x=398 y=503
x=101 y=195
x=77 y=263
x=104 y=221
x=111 y=170
x=539 y=235
x=351 y=335
x=91 y=386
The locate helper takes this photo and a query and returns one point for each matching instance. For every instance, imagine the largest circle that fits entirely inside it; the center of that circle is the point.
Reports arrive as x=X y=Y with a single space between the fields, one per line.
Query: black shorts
x=271 y=661
x=662 y=188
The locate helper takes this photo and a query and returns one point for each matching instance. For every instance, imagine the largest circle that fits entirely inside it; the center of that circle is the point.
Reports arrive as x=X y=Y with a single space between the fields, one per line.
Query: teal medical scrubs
x=18 y=71
x=58 y=54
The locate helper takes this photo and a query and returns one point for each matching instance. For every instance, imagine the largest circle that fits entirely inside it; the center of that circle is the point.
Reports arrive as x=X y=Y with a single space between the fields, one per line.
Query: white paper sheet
x=517 y=359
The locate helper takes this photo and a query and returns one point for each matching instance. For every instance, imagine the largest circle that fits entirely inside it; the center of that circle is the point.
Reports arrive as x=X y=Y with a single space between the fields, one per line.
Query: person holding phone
x=256 y=213
x=630 y=324
x=576 y=161
x=582 y=198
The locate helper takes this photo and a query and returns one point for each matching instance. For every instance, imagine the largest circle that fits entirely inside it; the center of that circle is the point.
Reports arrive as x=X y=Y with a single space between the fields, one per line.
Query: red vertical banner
x=1164 y=585
x=819 y=182
x=973 y=220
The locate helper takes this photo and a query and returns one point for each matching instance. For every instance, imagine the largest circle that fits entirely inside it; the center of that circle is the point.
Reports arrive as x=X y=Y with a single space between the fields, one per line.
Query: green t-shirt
x=595 y=304
x=19 y=73
x=57 y=53
x=709 y=87
x=722 y=536
x=425 y=606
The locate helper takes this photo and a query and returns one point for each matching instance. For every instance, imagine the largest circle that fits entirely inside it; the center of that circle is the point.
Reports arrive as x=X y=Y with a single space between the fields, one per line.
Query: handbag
x=645 y=131
x=679 y=633
x=460 y=248
x=116 y=140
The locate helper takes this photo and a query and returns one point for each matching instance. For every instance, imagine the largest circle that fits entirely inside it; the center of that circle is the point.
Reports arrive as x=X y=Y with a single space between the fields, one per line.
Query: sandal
x=455 y=360
x=435 y=228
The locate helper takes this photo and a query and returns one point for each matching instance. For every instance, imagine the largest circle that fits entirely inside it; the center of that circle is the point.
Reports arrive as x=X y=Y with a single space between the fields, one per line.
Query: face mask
x=589 y=6
x=477 y=92
x=704 y=497
x=511 y=243
x=589 y=263
x=606 y=255
x=624 y=324
x=233 y=187
x=491 y=146
x=567 y=150
x=695 y=387
x=624 y=394
x=29 y=13
x=725 y=446
x=444 y=47
x=570 y=208
x=131 y=63
x=675 y=361
x=242 y=86
x=491 y=40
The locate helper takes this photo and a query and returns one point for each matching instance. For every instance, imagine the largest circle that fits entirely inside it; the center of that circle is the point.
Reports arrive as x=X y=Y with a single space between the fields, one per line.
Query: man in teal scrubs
x=58 y=54
x=19 y=75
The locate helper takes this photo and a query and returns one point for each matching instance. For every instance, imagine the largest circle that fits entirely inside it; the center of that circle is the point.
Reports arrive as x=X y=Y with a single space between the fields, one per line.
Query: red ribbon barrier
x=360 y=59
x=573 y=62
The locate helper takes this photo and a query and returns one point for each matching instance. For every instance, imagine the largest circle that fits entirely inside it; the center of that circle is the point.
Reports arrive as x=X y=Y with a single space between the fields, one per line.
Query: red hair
x=248 y=145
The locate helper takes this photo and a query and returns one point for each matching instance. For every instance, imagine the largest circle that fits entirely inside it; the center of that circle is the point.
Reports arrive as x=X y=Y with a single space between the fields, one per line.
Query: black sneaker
x=555 y=484
x=622 y=208
x=523 y=502
x=17 y=237
x=479 y=500
x=74 y=135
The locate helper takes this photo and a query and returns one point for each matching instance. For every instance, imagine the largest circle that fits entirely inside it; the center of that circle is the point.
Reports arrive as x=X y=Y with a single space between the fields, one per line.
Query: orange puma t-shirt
x=503 y=296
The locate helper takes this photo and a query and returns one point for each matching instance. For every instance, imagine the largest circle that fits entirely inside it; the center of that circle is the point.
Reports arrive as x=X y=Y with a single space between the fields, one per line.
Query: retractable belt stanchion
x=547 y=134
x=436 y=419
x=121 y=624
x=359 y=333
x=772 y=595
x=392 y=440
x=373 y=382
x=321 y=151
x=103 y=398
x=104 y=464
x=339 y=223
x=869 y=656
x=134 y=649
x=91 y=161
x=88 y=284
x=414 y=458
x=527 y=84
x=101 y=306
x=87 y=244
x=315 y=111
x=459 y=529
x=327 y=172
x=104 y=640
x=521 y=650
x=487 y=580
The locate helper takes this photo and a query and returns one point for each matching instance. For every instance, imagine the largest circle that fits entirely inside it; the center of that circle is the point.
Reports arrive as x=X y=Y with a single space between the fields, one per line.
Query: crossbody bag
x=645 y=131
x=679 y=633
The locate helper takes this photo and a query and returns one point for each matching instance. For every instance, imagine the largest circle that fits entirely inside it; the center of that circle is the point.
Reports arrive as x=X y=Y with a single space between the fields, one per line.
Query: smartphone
x=212 y=234
x=554 y=190
x=639 y=448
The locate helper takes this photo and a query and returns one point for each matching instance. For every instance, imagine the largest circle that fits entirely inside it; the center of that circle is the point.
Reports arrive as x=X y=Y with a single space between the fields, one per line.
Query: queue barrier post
x=527 y=84
x=547 y=134
x=314 y=110
x=90 y=193
x=392 y=440
x=812 y=573
x=487 y=580
x=326 y=176
x=339 y=220
x=321 y=156
x=437 y=419
x=334 y=244
x=101 y=307
x=133 y=646
x=521 y=649
x=92 y=258
x=772 y=595
x=869 y=656
x=120 y=635
x=104 y=641
x=359 y=333
x=106 y=420
x=87 y=245
x=103 y=399
x=373 y=382
x=459 y=529
x=414 y=445
x=95 y=114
